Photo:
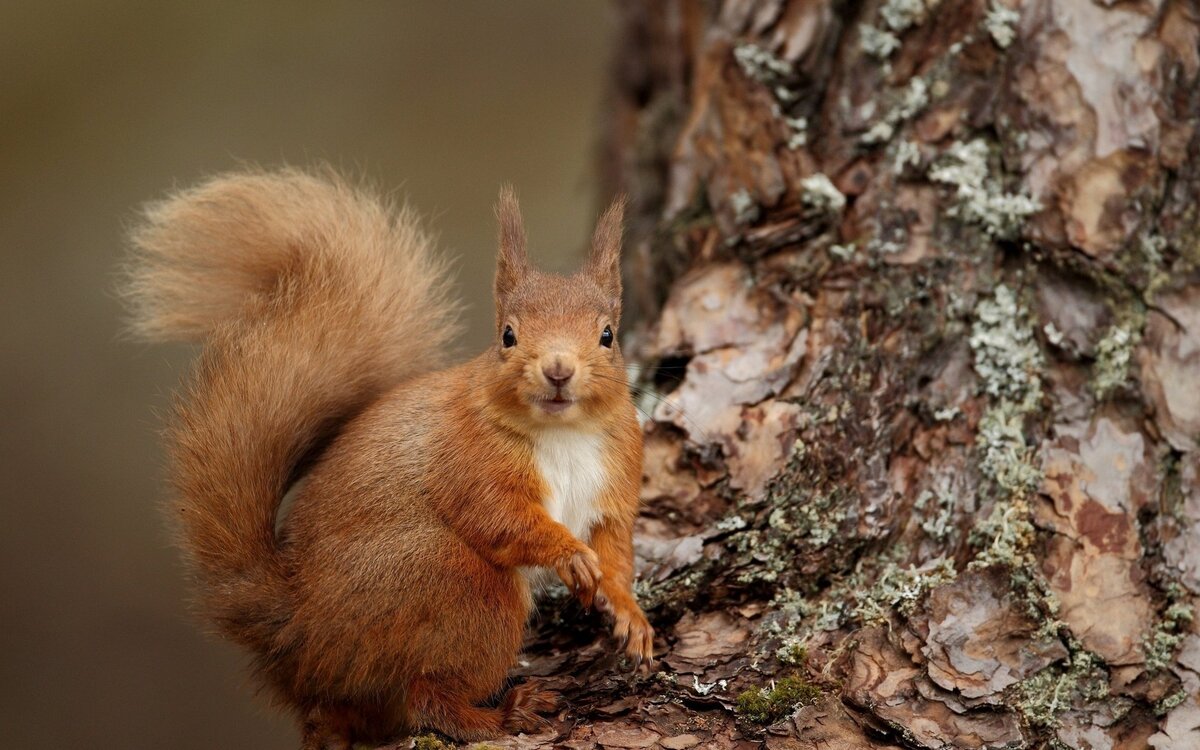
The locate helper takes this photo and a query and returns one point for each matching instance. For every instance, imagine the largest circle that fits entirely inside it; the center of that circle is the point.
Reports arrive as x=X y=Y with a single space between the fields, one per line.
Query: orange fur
x=393 y=598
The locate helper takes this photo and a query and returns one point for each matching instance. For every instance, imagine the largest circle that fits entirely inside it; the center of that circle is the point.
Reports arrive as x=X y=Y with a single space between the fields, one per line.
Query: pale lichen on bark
x=931 y=447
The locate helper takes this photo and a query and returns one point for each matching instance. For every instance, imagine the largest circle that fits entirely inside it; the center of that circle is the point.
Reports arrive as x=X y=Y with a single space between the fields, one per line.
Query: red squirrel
x=395 y=593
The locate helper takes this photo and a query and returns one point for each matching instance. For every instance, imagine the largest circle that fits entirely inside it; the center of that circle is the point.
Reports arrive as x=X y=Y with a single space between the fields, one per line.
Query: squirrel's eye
x=606 y=337
x=509 y=339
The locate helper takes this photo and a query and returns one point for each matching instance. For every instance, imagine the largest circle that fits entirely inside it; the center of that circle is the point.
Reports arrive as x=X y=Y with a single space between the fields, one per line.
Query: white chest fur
x=571 y=463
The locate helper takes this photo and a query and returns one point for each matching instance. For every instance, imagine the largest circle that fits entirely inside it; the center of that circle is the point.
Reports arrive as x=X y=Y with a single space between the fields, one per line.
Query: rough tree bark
x=919 y=285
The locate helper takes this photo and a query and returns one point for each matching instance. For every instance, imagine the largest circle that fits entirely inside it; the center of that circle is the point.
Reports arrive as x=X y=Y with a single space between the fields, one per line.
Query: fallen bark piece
x=823 y=726
x=706 y=640
x=883 y=681
x=979 y=642
x=627 y=738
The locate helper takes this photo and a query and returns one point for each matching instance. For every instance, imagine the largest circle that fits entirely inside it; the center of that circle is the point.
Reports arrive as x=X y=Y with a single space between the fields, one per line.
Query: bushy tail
x=311 y=297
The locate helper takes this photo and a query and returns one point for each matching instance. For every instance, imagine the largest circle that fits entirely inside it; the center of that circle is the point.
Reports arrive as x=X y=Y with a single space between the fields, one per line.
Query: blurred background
x=104 y=105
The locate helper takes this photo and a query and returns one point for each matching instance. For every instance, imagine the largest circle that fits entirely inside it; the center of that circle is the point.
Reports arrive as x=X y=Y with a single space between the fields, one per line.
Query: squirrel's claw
x=635 y=636
x=581 y=574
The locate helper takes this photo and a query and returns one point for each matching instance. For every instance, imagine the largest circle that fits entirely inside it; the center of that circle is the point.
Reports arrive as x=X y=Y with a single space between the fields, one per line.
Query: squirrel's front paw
x=633 y=631
x=580 y=571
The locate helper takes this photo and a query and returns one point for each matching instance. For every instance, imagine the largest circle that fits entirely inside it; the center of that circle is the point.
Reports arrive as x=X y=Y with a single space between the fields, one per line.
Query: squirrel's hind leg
x=318 y=733
x=521 y=707
x=432 y=704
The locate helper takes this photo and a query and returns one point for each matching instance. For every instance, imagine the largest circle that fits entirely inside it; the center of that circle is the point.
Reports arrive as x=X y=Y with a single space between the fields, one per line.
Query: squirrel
x=394 y=594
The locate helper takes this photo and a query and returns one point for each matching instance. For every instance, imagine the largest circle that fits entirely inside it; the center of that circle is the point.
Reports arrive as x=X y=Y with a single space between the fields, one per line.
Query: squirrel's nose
x=558 y=373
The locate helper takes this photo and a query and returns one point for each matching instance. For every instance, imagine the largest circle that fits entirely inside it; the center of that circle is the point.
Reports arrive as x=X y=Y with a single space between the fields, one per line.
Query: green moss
x=431 y=742
x=760 y=706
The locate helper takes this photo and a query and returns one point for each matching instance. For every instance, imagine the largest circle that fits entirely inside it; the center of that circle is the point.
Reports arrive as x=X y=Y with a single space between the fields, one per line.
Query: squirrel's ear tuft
x=512 y=262
x=604 y=264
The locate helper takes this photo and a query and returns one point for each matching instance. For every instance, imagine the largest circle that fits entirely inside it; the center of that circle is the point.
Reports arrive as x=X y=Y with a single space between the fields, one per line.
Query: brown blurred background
x=104 y=105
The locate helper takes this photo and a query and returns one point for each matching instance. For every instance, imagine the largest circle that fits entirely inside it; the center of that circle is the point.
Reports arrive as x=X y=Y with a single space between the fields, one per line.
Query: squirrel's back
x=311 y=298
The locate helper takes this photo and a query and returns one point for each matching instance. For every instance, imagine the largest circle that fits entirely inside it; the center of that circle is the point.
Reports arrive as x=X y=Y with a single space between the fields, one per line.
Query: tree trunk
x=918 y=285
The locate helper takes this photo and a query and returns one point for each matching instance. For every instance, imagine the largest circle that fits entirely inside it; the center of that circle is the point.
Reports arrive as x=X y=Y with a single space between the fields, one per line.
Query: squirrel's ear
x=604 y=264
x=512 y=263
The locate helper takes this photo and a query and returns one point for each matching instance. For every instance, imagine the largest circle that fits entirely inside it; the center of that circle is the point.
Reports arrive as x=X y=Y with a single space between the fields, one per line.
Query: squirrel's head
x=556 y=336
